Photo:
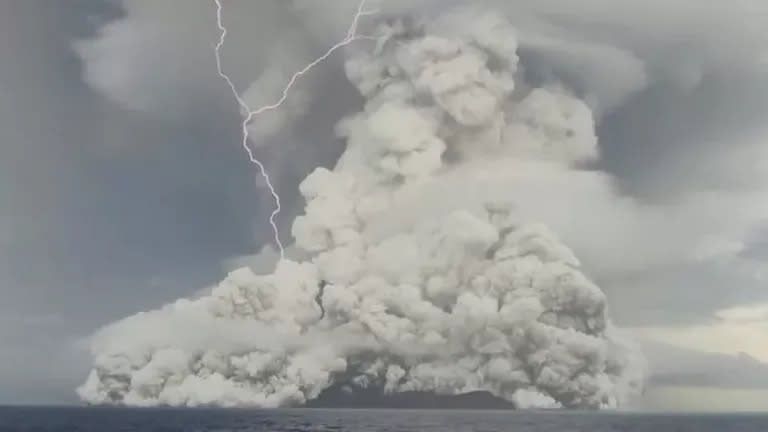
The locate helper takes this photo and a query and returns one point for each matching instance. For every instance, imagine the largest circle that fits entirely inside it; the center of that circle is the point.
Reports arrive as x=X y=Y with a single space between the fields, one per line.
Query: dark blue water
x=205 y=420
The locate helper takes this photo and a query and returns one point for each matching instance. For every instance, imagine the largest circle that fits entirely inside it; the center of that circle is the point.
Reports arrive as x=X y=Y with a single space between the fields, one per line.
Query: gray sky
x=122 y=185
x=105 y=211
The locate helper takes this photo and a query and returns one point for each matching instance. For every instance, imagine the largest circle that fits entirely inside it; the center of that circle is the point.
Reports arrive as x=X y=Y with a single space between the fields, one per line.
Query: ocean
x=45 y=419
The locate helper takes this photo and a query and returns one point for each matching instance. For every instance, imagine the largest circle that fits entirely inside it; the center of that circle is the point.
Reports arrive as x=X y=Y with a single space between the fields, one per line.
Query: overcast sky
x=123 y=186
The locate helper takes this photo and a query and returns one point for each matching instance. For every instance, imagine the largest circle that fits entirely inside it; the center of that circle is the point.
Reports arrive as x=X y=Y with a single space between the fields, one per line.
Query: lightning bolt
x=251 y=113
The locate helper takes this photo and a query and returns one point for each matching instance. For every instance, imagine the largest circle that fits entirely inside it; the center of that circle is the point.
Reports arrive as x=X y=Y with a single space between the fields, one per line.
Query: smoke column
x=401 y=291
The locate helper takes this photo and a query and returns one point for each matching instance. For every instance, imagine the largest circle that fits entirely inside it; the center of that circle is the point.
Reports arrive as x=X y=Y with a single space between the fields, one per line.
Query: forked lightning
x=251 y=113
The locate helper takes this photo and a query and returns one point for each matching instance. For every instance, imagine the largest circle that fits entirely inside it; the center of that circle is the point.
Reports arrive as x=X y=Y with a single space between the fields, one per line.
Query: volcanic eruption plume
x=420 y=272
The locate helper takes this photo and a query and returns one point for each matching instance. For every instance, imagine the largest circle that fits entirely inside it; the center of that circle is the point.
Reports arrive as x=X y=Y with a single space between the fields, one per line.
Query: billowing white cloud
x=447 y=128
x=566 y=45
x=470 y=298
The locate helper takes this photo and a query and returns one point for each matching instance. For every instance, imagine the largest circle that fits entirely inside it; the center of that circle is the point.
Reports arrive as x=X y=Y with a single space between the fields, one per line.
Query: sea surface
x=338 y=420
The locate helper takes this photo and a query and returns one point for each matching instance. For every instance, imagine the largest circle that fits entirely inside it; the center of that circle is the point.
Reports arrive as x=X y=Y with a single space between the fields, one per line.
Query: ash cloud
x=647 y=74
x=476 y=297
